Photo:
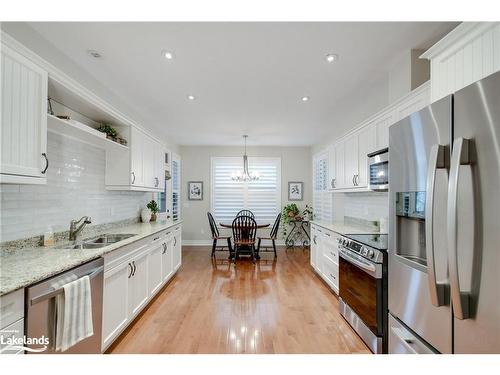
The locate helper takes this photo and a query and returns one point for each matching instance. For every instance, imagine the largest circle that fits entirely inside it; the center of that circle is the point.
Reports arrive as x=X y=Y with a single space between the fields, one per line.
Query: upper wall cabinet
x=467 y=54
x=141 y=169
x=24 y=158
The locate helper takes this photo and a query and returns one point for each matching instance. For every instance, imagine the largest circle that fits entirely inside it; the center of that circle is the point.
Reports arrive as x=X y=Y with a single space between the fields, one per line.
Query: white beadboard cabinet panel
x=419 y=98
x=467 y=54
x=24 y=119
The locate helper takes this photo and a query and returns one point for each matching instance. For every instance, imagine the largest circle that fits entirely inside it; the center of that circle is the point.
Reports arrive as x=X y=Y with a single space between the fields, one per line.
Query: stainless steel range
x=363 y=287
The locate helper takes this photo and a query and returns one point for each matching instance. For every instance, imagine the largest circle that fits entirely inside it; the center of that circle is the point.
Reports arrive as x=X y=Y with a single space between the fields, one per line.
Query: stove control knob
x=364 y=250
x=371 y=254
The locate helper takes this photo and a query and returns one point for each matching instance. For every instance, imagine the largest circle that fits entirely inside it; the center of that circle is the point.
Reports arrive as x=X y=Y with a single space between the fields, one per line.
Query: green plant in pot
x=289 y=212
x=109 y=130
x=153 y=207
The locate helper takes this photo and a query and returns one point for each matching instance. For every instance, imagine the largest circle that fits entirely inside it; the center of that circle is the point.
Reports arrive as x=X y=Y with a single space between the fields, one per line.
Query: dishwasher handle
x=93 y=273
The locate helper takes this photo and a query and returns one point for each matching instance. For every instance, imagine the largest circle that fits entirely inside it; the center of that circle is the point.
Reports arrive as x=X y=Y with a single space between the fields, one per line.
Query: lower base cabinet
x=133 y=276
x=324 y=255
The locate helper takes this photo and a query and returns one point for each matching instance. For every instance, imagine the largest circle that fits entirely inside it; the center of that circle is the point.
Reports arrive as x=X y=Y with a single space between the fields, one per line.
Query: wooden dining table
x=247 y=250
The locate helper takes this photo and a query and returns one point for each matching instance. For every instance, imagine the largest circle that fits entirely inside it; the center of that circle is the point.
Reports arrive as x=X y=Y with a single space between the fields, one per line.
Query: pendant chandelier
x=246 y=175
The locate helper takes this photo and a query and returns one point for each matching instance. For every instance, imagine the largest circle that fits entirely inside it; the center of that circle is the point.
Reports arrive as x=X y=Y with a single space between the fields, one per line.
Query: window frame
x=260 y=159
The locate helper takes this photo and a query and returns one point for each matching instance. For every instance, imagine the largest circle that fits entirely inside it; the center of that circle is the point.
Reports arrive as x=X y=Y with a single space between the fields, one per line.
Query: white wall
x=75 y=187
x=295 y=166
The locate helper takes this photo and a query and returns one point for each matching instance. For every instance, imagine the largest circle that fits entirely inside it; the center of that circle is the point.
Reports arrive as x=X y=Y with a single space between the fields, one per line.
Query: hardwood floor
x=270 y=307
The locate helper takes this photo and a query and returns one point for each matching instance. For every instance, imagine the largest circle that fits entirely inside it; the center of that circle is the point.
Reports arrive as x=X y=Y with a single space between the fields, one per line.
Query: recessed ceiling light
x=168 y=55
x=305 y=98
x=332 y=57
x=191 y=97
x=94 y=53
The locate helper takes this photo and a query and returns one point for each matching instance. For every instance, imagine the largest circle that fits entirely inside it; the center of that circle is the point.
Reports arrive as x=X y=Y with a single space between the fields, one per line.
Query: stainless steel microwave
x=378 y=168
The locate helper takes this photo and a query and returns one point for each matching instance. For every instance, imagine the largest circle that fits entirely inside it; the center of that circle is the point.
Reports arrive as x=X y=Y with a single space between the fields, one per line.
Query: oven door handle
x=369 y=268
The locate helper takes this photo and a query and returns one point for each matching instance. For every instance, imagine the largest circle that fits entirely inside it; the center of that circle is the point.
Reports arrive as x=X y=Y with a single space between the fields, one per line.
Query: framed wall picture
x=295 y=191
x=195 y=190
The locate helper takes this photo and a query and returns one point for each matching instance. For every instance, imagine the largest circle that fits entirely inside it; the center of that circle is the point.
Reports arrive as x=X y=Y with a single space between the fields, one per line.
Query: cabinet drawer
x=14 y=331
x=331 y=272
x=331 y=252
x=11 y=307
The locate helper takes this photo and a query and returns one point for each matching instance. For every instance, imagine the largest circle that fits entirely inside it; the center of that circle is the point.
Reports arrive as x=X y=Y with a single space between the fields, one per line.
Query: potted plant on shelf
x=153 y=207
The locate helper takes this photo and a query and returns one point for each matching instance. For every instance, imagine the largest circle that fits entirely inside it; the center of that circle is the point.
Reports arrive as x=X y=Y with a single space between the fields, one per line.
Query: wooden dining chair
x=216 y=236
x=273 y=235
x=246 y=213
x=244 y=232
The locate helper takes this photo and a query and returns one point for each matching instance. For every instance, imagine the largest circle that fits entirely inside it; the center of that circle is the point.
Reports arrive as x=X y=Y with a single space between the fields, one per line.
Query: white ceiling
x=247 y=77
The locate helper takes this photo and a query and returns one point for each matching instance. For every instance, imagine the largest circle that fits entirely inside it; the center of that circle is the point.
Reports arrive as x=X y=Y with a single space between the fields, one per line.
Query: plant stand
x=298 y=234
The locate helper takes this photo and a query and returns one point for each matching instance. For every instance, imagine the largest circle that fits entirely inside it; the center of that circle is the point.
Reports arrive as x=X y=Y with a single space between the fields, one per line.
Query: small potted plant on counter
x=153 y=207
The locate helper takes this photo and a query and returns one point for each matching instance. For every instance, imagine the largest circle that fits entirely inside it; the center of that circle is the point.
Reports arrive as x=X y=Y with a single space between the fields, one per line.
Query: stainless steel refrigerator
x=444 y=217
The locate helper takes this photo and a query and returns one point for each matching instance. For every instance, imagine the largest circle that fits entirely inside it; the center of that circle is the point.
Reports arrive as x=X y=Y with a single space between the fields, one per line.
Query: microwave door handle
x=460 y=156
x=436 y=160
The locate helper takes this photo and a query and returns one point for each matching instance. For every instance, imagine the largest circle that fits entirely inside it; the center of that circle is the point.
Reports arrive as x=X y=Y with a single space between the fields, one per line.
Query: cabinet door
x=339 y=165
x=177 y=246
x=314 y=246
x=155 y=276
x=351 y=160
x=138 y=284
x=382 y=129
x=136 y=157
x=331 y=168
x=159 y=171
x=167 y=267
x=115 y=314
x=23 y=133
x=366 y=144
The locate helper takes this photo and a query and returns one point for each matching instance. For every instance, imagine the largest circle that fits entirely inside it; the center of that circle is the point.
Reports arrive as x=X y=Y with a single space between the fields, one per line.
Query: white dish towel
x=73 y=314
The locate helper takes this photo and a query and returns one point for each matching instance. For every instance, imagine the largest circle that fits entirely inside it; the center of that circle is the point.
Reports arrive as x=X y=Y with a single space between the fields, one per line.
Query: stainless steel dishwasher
x=40 y=301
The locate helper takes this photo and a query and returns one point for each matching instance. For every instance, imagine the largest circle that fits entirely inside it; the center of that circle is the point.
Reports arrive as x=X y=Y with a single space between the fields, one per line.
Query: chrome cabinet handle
x=353 y=183
x=333 y=183
x=131 y=270
x=46 y=162
x=331 y=275
x=460 y=156
x=157 y=182
x=164 y=248
x=436 y=160
x=133 y=180
x=314 y=240
x=135 y=268
x=175 y=241
x=357 y=180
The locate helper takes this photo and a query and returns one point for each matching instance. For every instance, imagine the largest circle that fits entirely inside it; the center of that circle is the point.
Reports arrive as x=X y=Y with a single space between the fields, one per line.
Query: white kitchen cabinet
x=115 y=315
x=467 y=54
x=366 y=144
x=155 y=275
x=138 y=284
x=350 y=161
x=177 y=248
x=24 y=158
x=315 y=243
x=381 y=125
x=167 y=262
x=139 y=169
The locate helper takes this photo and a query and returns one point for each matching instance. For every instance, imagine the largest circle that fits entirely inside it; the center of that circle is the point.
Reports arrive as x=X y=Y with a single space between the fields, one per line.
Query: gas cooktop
x=375 y=240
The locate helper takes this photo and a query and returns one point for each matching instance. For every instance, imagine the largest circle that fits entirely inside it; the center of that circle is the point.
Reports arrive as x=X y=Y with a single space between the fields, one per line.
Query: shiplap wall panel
x=24 y=118
x=471 y=57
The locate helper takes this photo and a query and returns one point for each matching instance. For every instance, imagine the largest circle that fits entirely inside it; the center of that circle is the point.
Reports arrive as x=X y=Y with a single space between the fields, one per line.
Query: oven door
x=360 y=287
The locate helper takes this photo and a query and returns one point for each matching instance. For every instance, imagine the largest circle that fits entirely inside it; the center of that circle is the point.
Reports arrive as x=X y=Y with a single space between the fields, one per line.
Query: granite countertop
x=346 y=228
x=25 y=266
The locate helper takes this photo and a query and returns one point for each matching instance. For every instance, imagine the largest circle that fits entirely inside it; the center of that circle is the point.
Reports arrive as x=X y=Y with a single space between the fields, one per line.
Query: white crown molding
x=456 y=39
x=65 y=80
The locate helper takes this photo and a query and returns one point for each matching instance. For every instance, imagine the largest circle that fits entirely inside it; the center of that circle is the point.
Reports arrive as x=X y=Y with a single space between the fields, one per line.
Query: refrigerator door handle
x=436 y=160
x=460 y=156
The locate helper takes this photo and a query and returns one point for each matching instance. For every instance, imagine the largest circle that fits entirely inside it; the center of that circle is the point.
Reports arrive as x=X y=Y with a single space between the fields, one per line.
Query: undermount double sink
x=97 y=242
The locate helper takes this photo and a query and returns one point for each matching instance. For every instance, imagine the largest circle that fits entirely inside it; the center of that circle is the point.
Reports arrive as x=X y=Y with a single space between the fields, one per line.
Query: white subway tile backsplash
x=366 y=205
x=75 y=187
